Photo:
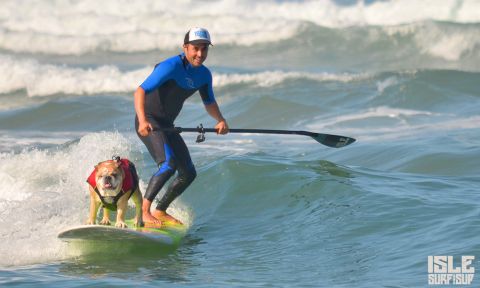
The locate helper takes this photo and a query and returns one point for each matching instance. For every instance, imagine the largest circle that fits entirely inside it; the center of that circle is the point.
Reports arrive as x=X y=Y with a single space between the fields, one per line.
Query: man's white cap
x=197 y=35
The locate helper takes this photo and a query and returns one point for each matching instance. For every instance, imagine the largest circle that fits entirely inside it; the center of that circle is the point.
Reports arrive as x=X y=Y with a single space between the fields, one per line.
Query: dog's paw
x=90 y=222
x=121 y=224
x=105 y=222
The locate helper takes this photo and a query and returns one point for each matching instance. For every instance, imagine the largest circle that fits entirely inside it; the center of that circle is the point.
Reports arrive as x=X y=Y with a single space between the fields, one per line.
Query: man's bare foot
x=148 y=219
x=151 y=221
x=164 y=216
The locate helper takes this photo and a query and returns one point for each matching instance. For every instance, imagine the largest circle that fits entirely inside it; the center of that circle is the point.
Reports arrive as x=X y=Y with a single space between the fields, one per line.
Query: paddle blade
x=334 y=141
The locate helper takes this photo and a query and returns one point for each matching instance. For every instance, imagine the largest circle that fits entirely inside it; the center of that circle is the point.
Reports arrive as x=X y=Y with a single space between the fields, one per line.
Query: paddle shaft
x=254 y=131
x=329 y=140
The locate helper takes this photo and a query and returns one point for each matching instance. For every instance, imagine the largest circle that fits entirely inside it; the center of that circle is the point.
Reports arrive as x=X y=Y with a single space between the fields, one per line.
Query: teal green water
x=264 y=211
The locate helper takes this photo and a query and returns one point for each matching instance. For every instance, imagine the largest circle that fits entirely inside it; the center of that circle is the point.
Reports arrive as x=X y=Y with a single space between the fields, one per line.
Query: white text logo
x=443 y=271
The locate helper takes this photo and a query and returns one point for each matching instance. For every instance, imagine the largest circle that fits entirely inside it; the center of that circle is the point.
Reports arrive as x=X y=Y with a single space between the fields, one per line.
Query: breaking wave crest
x=129 y=26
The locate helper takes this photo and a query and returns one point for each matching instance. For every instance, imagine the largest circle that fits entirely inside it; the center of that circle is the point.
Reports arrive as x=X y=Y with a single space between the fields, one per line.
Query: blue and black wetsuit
x=170 y=84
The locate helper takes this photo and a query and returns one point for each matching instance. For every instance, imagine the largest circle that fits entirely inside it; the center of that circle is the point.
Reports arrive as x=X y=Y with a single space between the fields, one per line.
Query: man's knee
x=168 y=167
x=188 y=176
x=193 y=174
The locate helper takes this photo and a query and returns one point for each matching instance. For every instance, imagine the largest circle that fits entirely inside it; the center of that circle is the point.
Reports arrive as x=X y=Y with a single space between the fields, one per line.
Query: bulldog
x=111 y=185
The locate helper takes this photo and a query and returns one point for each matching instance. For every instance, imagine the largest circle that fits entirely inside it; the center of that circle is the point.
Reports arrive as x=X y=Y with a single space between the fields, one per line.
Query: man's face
x=196 y=53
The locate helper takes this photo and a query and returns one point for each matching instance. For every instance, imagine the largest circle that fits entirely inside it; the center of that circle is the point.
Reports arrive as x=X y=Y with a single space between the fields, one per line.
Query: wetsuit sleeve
x=206 y=91
x=160 y=74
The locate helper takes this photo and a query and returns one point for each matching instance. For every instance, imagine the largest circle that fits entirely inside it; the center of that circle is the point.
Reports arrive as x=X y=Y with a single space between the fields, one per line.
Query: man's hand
x=214 y=111
x=144 y=128
x=222 y=127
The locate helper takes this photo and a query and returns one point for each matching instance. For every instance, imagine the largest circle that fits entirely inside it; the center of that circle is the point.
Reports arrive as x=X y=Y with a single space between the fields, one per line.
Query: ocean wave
x=389 y=123
x=45 y=79
x=85 y=26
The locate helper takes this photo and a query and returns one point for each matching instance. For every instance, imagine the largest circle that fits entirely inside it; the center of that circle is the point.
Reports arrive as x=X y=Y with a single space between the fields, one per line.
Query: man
x=158 y=101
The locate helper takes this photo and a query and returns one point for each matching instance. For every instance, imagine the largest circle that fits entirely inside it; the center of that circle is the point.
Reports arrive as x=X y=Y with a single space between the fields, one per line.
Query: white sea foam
x=23 y=140
x=67 y=27
x=437 y=40
x=45 y=192
x=271 y=78
x=384 y=84
x=450 y=47
x=45 y=79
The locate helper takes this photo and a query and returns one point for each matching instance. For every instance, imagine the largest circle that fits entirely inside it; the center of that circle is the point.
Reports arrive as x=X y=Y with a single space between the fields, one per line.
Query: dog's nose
x=108 y=178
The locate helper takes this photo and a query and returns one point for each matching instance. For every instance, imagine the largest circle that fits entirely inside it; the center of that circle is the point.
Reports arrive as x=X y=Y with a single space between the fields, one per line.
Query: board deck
x=168 y=234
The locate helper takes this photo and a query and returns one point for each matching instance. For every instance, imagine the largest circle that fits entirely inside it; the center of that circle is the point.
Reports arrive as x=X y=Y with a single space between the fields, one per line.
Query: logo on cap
x=201 y=34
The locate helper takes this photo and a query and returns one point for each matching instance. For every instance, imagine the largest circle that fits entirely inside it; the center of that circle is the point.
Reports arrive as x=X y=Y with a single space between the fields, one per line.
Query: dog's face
x=109 y=177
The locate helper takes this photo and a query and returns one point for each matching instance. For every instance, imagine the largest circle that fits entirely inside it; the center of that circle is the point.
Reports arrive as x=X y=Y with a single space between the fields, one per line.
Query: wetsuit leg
x=186 y=171
x=161 y=151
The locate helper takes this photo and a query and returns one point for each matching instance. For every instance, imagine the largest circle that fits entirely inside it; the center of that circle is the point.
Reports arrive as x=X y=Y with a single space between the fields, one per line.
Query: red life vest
x=130 y=182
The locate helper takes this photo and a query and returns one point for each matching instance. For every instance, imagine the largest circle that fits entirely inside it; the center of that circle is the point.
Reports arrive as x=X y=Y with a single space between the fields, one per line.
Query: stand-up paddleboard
x=169 y=234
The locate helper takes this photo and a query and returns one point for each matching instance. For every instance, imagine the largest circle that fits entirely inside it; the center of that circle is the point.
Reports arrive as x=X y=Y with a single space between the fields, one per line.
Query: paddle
x=329 y=140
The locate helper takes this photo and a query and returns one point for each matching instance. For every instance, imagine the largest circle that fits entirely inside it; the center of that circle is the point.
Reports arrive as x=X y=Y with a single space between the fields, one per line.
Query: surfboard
x=169 y=234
